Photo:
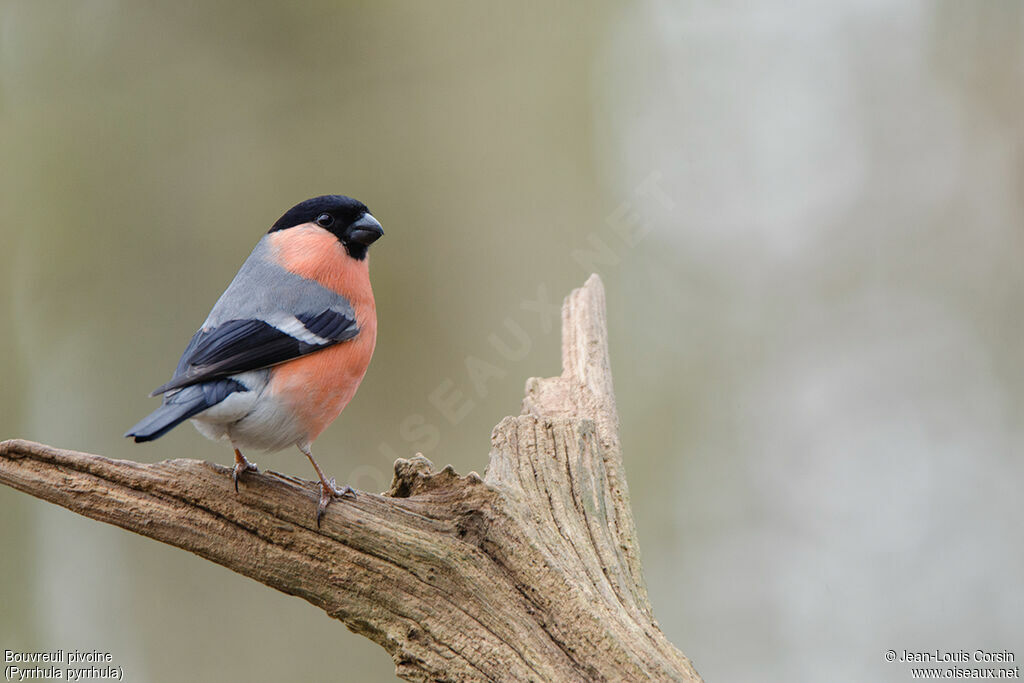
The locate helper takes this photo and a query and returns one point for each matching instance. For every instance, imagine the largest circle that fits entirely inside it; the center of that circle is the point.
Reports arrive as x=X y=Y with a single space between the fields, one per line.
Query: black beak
x=365 y=231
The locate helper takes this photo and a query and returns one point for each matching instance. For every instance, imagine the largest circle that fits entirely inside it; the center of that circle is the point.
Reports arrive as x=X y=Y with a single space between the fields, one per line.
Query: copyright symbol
x=890 y=656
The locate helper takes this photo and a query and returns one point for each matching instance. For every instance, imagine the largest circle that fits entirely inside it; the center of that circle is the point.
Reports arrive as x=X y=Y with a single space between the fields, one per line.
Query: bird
x=286 y=345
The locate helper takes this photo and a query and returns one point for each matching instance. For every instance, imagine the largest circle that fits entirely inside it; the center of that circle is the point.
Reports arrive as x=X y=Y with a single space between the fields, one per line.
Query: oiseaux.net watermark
x=454 y=398
x=978 y=664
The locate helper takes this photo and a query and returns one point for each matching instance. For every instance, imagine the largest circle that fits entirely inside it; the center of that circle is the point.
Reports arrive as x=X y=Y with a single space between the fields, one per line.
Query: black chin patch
x=355 y=250
x=344 y=210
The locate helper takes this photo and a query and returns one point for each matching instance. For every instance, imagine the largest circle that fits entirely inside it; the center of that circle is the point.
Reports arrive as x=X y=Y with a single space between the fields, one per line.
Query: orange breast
x=320 y=385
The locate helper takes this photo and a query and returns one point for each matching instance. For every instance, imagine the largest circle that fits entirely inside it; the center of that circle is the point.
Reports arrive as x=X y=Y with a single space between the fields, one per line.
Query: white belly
x=251 y=419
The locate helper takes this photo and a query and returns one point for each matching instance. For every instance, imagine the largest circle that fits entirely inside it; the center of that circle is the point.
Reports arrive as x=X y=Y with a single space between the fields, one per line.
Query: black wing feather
x=327 y=324
x=242 y=345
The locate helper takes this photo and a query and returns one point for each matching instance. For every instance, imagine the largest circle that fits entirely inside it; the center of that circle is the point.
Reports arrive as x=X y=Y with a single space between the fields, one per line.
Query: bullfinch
x=287 y=344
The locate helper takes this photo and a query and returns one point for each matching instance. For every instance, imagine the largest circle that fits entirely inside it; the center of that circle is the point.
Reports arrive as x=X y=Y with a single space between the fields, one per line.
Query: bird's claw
x=240 y=467
x=329 y=493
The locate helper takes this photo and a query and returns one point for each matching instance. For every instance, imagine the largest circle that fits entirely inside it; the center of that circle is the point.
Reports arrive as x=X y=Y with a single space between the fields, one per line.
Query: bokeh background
x=808 y=217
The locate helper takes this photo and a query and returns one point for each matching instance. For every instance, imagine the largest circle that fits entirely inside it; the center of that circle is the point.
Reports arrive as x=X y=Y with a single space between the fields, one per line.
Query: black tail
x=165 y=418
x=180 y=406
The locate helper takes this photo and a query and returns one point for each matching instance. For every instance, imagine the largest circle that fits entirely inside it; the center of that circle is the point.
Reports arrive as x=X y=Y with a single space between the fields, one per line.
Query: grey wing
x=266 y=316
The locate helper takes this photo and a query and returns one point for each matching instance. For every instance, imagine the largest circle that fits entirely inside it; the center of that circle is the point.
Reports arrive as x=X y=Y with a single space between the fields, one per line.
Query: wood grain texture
x=529 y=573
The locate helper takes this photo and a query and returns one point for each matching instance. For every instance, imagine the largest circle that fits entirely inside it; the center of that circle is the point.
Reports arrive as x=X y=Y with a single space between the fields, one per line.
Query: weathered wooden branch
x=531 y=573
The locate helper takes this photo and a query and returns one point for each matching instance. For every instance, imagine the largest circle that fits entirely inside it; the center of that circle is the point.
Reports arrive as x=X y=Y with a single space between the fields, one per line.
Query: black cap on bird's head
x=347 y=219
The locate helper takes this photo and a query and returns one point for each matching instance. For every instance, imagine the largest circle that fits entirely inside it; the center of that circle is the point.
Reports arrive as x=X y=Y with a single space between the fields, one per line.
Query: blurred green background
x=808 y=217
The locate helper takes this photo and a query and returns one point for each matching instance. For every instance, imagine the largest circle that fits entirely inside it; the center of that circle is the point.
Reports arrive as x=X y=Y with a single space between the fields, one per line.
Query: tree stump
x=529 y=573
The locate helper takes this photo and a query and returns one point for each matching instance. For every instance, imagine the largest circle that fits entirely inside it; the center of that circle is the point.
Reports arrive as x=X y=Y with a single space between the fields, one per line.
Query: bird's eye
x=325 y=220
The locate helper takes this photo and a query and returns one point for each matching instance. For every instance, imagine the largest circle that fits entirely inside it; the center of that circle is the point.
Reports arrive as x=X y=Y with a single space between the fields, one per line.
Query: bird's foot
x=328 y=492
x=241 y=465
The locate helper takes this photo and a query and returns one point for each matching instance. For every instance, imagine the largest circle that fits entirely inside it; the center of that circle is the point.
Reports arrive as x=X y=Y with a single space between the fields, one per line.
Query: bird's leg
x=241 y=465
x=328 y=489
